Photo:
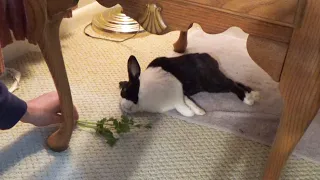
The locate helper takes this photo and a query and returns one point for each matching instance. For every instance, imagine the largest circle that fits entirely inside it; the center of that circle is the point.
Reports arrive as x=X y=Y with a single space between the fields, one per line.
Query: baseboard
x=82 y=15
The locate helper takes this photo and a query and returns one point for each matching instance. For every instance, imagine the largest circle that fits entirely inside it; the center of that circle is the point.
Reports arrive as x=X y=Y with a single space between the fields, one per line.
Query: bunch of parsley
x=108 y=127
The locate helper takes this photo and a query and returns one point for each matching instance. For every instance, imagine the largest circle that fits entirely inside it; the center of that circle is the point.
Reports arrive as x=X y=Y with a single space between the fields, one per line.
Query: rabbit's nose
x=122 y=84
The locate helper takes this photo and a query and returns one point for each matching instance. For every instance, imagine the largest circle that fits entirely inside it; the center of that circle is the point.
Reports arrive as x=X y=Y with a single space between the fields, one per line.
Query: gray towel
x=224 y=111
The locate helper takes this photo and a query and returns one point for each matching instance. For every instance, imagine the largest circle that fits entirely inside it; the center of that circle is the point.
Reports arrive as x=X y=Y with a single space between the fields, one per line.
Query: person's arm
x=12 y=109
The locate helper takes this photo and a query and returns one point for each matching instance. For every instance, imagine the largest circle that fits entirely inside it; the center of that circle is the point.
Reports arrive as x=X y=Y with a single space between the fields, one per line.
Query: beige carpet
x=172 y=149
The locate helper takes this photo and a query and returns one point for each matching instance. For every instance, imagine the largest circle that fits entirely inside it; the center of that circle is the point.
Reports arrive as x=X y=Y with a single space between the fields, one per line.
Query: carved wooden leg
x=295 y=119
x=181 y=45
x=300 y=88
x=51 y=49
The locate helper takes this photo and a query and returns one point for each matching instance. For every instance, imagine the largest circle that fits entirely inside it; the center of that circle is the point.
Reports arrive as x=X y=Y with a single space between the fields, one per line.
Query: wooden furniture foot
x=51 y=50
x=300 y=88
x=181 y=45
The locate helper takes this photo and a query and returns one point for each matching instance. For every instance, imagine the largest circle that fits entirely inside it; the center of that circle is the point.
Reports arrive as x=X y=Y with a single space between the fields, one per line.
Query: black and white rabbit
x=168 y=83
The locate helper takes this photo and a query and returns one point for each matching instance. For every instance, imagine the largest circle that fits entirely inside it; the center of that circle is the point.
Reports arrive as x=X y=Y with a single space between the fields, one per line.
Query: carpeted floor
x=172 y=149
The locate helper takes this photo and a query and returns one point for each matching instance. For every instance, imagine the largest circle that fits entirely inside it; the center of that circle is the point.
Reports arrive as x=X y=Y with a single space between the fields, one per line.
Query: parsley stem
x=89 y=125
x=86 y=125
x=86 y=122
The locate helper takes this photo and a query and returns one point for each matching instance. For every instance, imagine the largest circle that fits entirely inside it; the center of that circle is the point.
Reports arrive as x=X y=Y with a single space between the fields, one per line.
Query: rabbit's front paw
x=200 y=112
x=185 y=110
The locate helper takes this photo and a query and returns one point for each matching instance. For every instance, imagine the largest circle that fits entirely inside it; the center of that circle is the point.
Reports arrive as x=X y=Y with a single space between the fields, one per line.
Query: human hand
x=45 y=110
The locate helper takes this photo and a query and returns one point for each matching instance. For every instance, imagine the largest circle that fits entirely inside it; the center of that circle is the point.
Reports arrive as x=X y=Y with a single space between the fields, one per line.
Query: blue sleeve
x=11 y=108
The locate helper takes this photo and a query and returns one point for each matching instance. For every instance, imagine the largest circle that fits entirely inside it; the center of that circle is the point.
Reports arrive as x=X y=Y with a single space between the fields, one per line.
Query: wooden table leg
x=51 y=49
x=300 y=88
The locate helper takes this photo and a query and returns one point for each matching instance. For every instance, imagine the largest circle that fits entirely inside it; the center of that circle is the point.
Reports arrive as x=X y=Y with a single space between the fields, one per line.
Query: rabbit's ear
x=133 y=68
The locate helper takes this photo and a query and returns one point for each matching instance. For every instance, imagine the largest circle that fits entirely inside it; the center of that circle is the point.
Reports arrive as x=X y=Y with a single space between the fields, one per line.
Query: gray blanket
x=226 y=112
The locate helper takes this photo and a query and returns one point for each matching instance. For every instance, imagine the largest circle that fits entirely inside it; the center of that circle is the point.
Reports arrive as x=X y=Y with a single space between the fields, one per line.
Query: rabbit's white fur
x=157 y=85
